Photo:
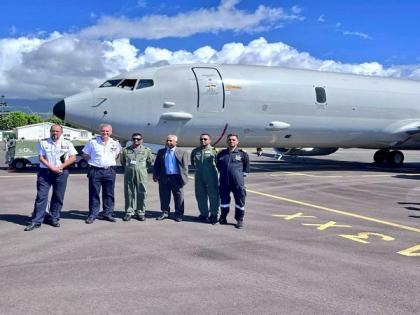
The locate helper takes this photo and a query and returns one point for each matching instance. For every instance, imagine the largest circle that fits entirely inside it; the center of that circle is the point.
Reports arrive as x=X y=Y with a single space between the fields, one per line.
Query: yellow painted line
x=339 y=176
x=346 y=213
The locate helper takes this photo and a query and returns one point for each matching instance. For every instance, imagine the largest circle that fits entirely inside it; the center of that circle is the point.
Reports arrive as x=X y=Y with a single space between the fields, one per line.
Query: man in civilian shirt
x=101 y=154
x=171 y=171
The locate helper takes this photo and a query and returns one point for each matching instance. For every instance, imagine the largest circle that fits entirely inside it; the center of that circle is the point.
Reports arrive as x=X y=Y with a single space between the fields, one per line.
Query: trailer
x=23 y=153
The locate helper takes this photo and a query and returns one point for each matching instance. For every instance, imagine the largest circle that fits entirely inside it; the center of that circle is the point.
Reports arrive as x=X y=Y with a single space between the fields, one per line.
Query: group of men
x=217 y=175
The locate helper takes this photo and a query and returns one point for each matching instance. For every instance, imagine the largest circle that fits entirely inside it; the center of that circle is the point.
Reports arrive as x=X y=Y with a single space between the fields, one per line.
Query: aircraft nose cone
x=59 y=110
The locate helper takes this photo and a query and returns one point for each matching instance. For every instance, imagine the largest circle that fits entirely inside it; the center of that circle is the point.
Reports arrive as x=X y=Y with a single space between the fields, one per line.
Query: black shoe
x=127 y=217
x=55 y=223
x=33 y=226
x=223 y=221
x=109 y=218
x=89 y=220
x=140 y=217
x=163 y=216
x=213 y=219
x=239 y=224
x=178 y=218
x=201 y=218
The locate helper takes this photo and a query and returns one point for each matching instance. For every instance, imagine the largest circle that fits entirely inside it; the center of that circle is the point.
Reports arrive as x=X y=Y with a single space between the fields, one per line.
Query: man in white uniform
x=55 y=155
x=101 y=154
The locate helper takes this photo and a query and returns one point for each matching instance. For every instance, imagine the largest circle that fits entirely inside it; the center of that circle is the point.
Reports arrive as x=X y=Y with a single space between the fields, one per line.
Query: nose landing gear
x=392 y=157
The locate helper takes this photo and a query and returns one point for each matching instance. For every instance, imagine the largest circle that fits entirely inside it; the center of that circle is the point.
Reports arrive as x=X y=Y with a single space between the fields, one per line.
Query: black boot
x=223 y=214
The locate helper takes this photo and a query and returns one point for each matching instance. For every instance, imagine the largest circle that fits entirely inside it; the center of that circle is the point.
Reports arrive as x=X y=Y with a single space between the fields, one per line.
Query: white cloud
x=358 y=34
x=321 y=18
x=142 y=3
x=225 y=17
x=61 y=65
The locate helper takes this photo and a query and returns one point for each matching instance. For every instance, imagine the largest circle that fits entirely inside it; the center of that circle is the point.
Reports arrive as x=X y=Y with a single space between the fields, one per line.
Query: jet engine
x=304 y=151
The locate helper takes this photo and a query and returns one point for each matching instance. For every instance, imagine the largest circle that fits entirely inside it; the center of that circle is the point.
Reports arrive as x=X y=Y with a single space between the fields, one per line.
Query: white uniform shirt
x=53 y=151
x=102 y=154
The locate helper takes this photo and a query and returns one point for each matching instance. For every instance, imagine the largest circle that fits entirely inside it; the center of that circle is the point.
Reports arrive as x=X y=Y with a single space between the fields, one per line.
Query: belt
x=102 y=168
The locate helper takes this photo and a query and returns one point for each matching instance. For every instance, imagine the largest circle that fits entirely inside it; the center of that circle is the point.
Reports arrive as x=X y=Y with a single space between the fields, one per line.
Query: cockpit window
x=128 y=84
x=144 y=84
x=110 y=83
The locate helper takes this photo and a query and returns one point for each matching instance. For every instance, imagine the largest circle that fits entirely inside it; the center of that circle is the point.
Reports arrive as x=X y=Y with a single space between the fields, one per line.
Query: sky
x=55 y=48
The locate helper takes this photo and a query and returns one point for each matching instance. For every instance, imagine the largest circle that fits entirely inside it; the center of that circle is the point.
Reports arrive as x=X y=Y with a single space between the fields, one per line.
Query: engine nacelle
x=305 y=151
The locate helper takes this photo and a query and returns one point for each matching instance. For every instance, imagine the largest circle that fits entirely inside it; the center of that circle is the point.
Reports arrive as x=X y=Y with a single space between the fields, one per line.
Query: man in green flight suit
x=135 y=159
x=203 y=158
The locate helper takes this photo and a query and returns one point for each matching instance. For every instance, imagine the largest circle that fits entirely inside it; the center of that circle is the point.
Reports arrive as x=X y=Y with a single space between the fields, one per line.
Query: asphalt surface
x=323 y=235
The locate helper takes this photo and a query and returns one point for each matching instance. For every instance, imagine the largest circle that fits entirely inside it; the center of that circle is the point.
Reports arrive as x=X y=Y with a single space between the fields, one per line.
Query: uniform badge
x=238 y=157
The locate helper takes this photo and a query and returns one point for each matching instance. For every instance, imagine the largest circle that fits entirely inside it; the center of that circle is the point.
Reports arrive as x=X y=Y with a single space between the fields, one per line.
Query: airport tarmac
x=323 y=235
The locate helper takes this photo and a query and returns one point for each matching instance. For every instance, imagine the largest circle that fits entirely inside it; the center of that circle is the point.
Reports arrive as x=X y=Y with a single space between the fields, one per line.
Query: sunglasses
x=136 y=139
x=204 y=139
x=231 y=140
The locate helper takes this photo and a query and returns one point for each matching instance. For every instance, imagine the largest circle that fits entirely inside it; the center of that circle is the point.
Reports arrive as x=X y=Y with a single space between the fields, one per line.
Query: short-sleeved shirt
x=102 y=154
x=55 y=152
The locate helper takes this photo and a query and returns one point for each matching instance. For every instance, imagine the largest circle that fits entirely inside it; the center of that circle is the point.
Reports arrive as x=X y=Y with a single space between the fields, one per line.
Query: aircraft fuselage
x=265 y=106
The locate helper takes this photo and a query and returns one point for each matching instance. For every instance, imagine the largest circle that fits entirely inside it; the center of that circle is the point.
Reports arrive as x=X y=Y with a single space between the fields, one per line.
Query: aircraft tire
x=19 y=164
x=395 y=158
x=381 y=156
x=82 y=164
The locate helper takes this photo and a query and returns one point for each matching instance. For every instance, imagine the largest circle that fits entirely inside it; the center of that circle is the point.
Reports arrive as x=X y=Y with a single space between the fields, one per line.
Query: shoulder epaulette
x=242 y=150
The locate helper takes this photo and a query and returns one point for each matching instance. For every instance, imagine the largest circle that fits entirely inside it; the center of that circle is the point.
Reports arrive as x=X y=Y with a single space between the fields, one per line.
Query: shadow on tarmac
x=81 y=215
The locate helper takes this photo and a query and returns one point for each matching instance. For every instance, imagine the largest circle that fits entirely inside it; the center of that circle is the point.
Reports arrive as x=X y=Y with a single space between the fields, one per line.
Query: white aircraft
x=265 y=106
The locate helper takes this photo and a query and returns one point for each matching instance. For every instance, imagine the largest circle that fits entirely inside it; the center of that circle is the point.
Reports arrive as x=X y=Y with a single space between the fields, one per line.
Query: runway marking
x=411 y=252
x=346 y=213
x=327 y=225
x=363 y=236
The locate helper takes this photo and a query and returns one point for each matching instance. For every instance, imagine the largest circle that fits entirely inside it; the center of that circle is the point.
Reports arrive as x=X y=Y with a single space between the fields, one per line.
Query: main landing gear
x=392 y=157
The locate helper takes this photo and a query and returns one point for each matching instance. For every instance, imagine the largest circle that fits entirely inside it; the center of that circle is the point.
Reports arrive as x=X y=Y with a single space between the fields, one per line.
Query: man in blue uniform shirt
x=55 y=155
x=233 y=166
x=101 y=154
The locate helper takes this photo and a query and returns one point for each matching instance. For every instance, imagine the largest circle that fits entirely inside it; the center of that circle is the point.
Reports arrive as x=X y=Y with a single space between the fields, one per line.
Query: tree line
x=11 y=120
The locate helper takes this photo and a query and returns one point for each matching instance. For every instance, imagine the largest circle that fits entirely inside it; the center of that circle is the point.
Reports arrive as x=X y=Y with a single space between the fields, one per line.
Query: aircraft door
x=211 y=93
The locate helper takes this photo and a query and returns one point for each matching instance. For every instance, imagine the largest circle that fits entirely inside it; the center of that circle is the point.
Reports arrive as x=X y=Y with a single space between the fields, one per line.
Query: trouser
x=172 y=185
x=45 y=180
x=207 y=191
x=239 y=194
x=105 y=179
x=135 y=186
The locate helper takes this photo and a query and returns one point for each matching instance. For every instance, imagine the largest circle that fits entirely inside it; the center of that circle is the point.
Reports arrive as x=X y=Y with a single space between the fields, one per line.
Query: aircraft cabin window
x=144 y=84
x=128 y=84
x=321 y=96
x=110 y=83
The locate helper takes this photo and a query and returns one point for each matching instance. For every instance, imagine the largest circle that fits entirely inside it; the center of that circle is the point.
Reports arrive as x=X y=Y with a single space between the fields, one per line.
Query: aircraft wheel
x=82 y=164
x=381 y=156
x=395 y=158
x=19 y=165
